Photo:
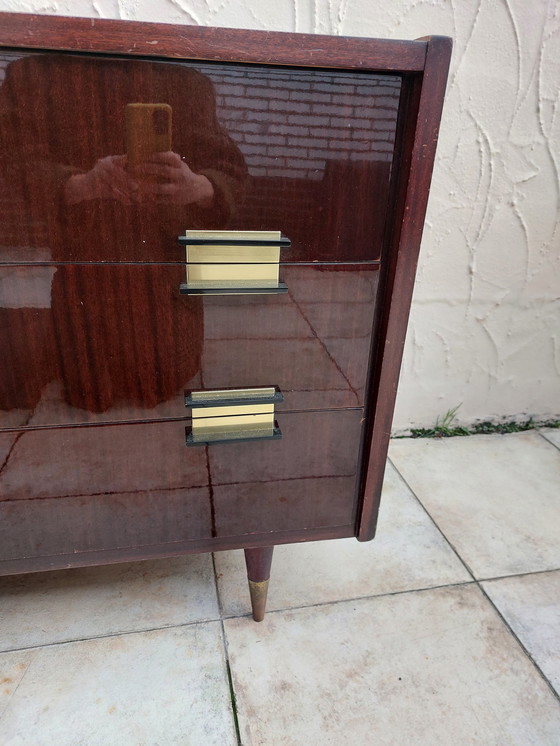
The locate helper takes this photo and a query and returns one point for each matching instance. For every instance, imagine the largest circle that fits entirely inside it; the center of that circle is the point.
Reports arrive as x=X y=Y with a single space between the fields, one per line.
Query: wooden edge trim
x=400 y=283
x=175 y=549
x=28 y=31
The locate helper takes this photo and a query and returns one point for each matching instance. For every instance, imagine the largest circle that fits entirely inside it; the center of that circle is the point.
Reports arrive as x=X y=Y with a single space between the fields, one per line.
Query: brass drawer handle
x=233 y=415
x=189 y=240
x=232 y=262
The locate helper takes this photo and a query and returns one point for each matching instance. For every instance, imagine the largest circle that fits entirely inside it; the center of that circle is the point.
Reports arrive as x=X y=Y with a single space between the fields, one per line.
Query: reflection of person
x=118 y=327
x=164 y=178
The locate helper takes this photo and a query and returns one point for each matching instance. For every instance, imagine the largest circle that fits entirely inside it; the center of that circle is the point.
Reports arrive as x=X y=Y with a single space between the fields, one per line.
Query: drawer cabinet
x=107 y=159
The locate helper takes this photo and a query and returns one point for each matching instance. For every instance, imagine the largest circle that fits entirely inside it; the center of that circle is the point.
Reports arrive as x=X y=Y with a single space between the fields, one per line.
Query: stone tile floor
x=445 y=629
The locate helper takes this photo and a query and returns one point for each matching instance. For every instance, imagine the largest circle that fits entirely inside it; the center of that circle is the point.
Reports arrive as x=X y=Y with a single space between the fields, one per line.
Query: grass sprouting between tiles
x=443 y=427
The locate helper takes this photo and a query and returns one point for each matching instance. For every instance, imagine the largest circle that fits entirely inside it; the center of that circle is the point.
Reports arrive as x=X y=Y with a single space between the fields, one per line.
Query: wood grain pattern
x=338 y=158
x=280 y=151
x=138 y=485
x=112 y=343
x=195 y=42
x=176 y=549
x=258 y=561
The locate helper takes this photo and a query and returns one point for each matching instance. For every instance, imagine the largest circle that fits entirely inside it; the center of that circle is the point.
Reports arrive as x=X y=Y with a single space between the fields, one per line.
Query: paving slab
x=552 y=435
x=162 y=688
x=49 y=607
x=530 y=605
x=495 y=497
x=428 y=668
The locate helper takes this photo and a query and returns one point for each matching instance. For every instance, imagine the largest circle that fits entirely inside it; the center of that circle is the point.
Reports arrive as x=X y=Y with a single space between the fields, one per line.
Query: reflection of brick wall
x=314 y=143
x=289 y=123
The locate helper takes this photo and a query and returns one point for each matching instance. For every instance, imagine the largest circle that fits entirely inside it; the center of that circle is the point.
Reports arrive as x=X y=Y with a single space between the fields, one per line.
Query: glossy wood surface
x=307 y=152
x=26 y=564
x=259 y=560
x=112 y=343
x=339 y=159
x=135 y=485
x=195 y=42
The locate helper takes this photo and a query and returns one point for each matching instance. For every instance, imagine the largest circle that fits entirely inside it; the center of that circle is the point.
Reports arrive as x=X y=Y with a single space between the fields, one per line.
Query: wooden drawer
x=307 y=152
x=113 y=343
x=134 y=485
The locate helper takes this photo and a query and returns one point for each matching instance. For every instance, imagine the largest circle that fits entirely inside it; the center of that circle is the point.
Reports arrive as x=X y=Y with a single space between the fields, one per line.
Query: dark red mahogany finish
x=74 y=356
x=330 y=140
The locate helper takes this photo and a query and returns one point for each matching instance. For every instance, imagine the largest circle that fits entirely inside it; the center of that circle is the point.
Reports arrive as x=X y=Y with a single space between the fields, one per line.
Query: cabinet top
x=137 y=38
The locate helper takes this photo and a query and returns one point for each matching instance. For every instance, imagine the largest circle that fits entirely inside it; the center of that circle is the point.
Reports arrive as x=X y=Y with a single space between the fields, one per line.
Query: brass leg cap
x=258 y=591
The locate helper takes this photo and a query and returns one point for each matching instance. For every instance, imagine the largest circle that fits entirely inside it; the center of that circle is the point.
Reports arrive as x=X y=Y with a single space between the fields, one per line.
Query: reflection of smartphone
x=148 y=131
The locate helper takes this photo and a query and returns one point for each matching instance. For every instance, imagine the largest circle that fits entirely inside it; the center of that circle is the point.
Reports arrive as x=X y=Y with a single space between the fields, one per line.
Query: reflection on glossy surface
x=317 y=146
x=63 y=157
x=113 y=336
x=257 y=507
x=43 y=528
x=304 y=451
x=103 y=163
x=134 y=485
x=73 y=359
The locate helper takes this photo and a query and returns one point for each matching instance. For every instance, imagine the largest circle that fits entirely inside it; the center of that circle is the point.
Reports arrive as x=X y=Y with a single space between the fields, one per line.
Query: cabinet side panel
x=423 y=115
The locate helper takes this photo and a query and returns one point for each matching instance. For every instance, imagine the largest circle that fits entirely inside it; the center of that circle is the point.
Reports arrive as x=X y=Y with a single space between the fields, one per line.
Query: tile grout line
x=478 y=582
x=521 y=645
x=350 y=600
x=447 y=541
x=224 y=616
x=247 y=615
x=233 y=698
x=492 y=578
x=388 y=594
x=231 y=688
x=12 y=695
x=550 y=443
x=122 y=633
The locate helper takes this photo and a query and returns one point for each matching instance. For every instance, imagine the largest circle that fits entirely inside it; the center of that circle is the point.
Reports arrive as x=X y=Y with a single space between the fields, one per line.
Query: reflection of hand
x=108 y=179
x=165 y=177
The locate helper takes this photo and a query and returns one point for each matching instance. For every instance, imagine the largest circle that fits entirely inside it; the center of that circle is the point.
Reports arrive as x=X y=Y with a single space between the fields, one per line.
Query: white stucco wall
x=485 y=323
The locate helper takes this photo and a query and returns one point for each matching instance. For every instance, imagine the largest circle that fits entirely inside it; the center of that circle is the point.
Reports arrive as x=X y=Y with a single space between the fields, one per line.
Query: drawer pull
x=232 y=262
x=233 y=415
x=188 y=240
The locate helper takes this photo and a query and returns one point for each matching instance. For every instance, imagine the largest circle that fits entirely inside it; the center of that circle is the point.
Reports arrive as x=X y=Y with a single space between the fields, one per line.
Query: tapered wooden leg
x=258 y=561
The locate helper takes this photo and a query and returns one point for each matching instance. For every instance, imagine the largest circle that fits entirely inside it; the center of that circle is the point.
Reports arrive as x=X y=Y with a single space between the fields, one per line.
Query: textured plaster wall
x=485 y=323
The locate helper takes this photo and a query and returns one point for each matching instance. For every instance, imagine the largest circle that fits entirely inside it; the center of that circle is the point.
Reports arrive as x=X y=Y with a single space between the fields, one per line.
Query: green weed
x=443 y=427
